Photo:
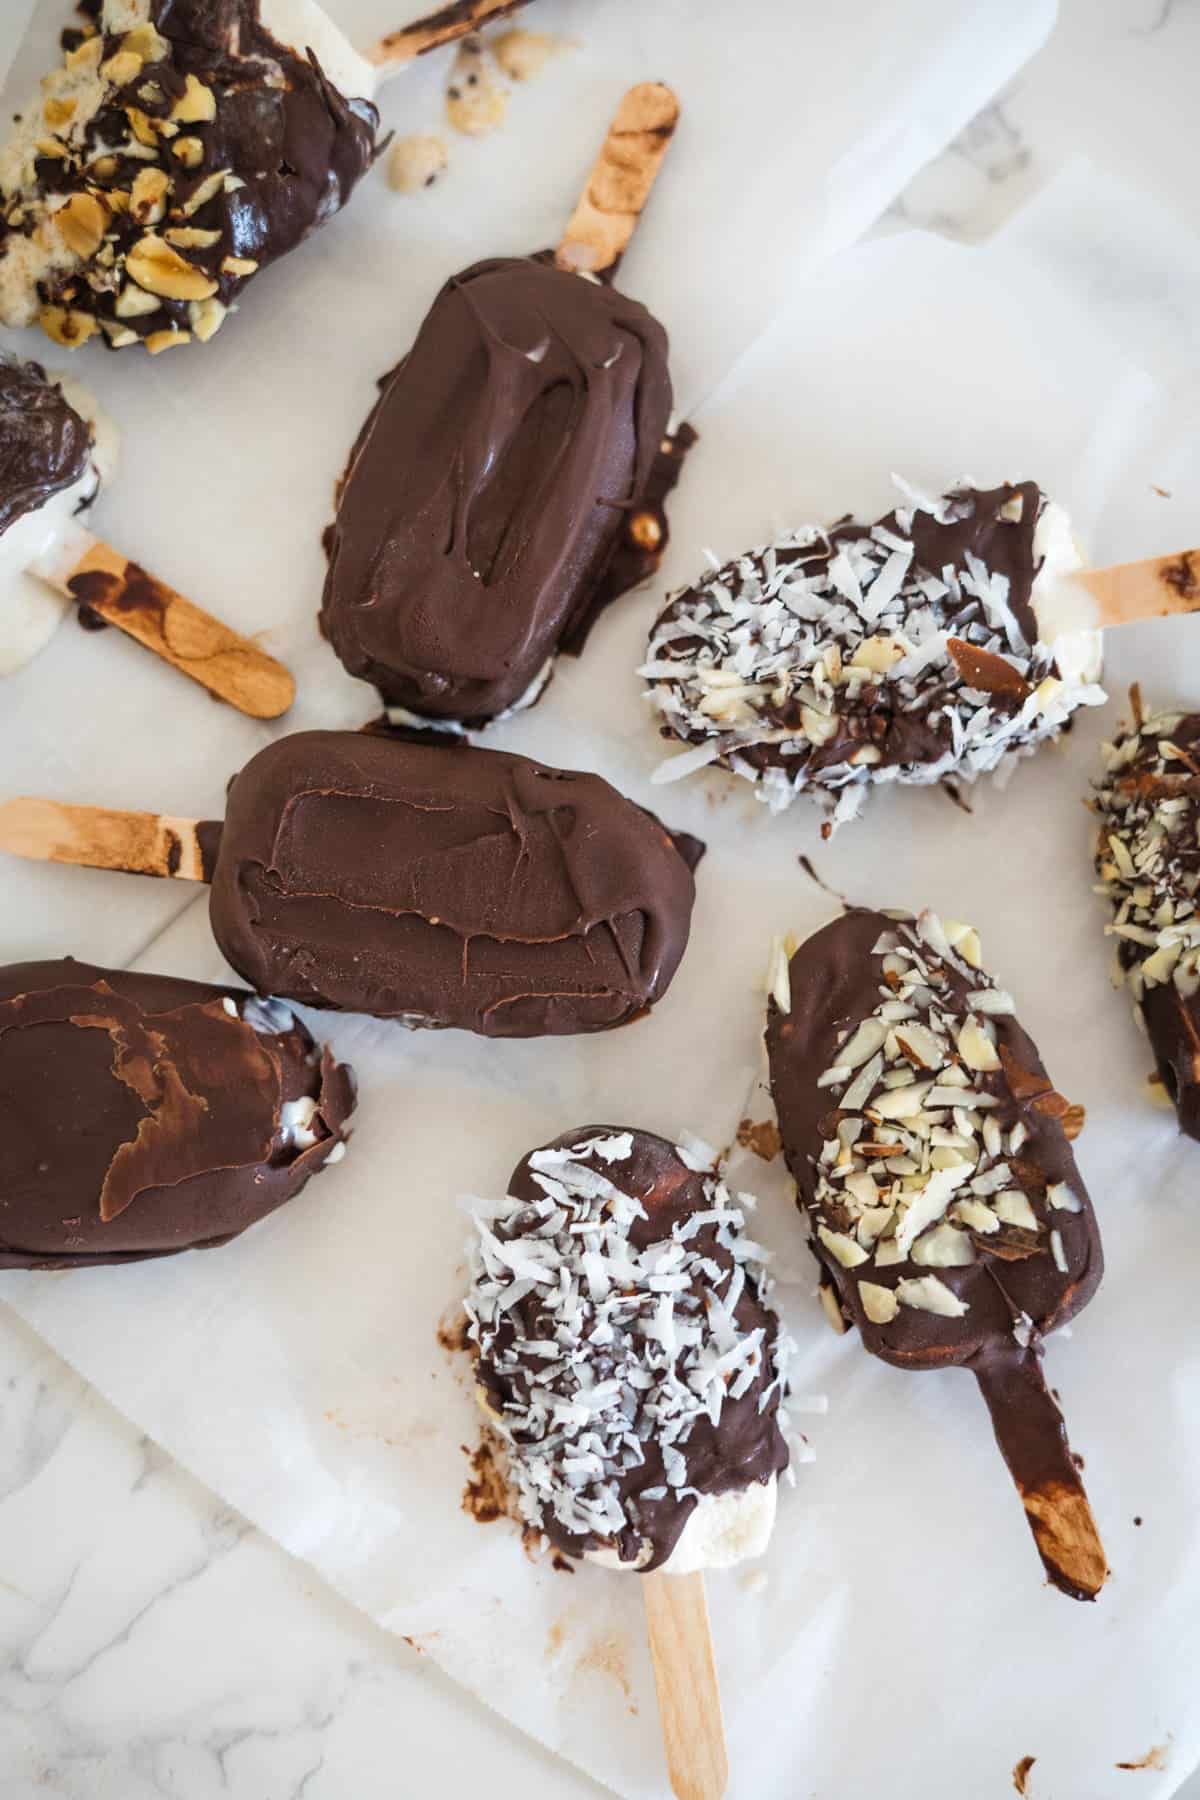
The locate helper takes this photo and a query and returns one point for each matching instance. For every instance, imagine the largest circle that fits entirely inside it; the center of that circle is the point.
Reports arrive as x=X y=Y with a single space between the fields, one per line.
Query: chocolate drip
x=484 y=507
x=44 y=444
x=447 y=886
x=141 y=1115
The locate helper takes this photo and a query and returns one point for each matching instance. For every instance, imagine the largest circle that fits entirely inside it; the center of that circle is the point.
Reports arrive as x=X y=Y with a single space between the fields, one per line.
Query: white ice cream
x=304 y=26
x=30 y=612
x=1066 y=612
x=724 y=1529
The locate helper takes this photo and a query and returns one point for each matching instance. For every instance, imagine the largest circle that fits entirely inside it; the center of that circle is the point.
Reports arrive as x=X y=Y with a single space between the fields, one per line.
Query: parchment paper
x=903 y=1634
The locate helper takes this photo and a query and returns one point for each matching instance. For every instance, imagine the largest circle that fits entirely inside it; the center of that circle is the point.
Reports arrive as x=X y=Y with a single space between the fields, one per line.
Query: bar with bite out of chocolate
x=932 y=1160
x=142 y=1115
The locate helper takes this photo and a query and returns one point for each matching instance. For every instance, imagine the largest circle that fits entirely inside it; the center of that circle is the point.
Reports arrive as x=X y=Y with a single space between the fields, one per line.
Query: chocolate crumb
x=452 y=1333
x=1137 y=1518
x=485 y=1496
x=562 y=1564
x=1155 y=1758
x=762 y=1138
x=1020 y=1774
x=1163 y=493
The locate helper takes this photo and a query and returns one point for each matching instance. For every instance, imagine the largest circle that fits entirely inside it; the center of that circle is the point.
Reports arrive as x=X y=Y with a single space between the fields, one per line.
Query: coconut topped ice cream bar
x=924 y=645
x=628 y=1353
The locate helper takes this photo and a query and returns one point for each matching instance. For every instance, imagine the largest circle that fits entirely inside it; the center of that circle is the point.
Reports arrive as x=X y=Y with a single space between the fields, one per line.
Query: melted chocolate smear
x=956 y=792
x=90 y=619
x=208 y=842
x=485 y=1496
x=807 y=865
x=1180 y=577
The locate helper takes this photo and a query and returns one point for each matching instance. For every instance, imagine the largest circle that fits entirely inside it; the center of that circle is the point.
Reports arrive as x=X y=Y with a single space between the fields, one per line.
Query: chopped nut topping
x=197 y=105
x=65 y=326
x=82 y=223
x=160 y=270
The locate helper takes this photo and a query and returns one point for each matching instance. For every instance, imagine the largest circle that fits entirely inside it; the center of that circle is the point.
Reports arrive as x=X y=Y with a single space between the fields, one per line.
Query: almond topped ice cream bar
x=1148 y=860
x=182 y=146
x=932 y=1160
x=928 y=644
x=628 y=1354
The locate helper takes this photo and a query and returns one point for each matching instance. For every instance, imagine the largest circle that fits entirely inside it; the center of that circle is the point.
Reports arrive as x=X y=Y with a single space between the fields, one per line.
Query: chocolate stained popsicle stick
x=120 y=592
x=1152 y=589
x=685 y=1676
x=94 y=837
x=1032 y=1436
x=619 y=185
x=448 y=23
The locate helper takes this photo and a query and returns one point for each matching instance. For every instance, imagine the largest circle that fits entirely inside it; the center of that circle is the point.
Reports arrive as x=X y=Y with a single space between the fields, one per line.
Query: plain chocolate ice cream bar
x=946 y=1209
x=446 y=885
x=427 y=882
x=141 y=1115
x=627 y=1352
x=510 y=479
x=942 y=640
x=491 y=485
x=1148 y=861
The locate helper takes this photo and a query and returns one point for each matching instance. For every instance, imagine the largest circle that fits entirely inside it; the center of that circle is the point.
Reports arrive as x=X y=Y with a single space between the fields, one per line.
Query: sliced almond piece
x=159 y=341
x=160 y=270
x=148 y=195
x=945 y=1247
x=976 y=1048
x=842 y=1248
x=135 y=303
x=82 y=223
x=879 y=1303
x=66 y=326
x=928 y=1293
x=1012 y=1208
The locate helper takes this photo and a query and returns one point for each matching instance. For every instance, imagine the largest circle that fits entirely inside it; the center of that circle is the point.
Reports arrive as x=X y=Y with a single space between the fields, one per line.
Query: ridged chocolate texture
x=44 y=444
x=447 y=886
x=726 y=1455
x=140 y=1116
x=490 y=486
x=836 y=980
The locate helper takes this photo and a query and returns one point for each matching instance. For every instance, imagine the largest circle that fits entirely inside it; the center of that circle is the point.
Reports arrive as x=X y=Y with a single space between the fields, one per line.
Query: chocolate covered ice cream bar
x=928 y=1147
x=431 y=883
x=628 y=1354
x=942 y=640
x=142 y=1115
x=1148 y=861
x=491 y=486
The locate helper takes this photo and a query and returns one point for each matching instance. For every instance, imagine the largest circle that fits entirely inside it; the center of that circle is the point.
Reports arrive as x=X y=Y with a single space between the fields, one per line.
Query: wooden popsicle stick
x=1032 y=1436
x=1145 y=590
x=94 y=837
x=120 y=592
x=444 y=26
x=685 y=1675
x=599 y=230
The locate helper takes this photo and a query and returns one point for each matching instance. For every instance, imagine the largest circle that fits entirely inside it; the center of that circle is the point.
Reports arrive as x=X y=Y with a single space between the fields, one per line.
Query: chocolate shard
x=1148 y=859
x=603 y=1312
x=447 y=886
x=44 y=444
x=487 y=499
x=975 y=1236
x=142 y=1115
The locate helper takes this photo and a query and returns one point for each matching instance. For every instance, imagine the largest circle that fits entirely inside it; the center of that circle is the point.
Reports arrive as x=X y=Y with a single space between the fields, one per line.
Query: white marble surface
x=151 y=1644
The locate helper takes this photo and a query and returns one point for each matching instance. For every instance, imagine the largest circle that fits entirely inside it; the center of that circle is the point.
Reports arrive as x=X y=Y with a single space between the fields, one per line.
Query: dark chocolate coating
x=489 y=489
x=44 y=444
x=745 y=1445
x=835 y=982
x=1172 y=1018
x=447 y=885
x=296 y=146
x=138 y=1117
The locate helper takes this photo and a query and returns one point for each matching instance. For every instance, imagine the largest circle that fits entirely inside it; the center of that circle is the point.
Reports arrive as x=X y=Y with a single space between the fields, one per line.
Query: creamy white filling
x=30 y=612
x=304 y=26
x=1065 y=610
x=724 y=1529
